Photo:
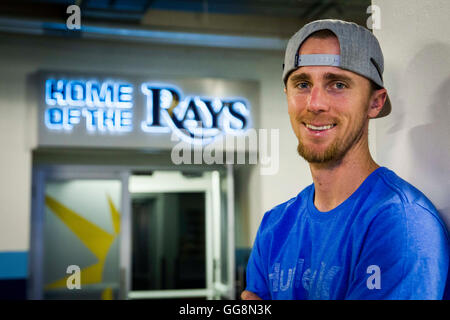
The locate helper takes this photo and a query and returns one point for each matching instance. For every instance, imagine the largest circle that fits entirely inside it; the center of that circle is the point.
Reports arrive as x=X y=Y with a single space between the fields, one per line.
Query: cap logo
x=318 y=60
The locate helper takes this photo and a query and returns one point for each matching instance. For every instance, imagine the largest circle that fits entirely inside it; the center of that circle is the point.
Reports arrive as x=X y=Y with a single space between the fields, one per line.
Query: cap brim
x=386 y=108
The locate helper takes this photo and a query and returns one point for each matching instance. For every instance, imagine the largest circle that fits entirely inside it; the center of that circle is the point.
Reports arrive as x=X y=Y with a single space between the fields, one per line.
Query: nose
x=317 y=101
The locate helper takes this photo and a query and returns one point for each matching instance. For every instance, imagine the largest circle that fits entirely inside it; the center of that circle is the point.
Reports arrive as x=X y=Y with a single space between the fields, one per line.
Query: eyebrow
x=327 y=76
x=300 y=76
x=335 y=76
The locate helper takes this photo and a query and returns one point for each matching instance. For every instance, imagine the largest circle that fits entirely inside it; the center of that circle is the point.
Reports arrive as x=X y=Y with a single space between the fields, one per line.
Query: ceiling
x=133 y=10
x=276 y=19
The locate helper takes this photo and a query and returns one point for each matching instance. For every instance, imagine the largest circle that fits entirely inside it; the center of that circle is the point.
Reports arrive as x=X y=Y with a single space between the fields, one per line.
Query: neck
x=334 y=182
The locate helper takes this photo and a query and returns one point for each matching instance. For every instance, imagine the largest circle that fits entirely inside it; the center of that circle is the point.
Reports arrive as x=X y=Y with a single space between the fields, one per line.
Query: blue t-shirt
x=386 y=241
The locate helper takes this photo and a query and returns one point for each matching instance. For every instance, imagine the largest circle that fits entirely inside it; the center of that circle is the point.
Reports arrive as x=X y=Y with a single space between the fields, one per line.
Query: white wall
x=414 y=140
x=15 y=160
x=22 y=55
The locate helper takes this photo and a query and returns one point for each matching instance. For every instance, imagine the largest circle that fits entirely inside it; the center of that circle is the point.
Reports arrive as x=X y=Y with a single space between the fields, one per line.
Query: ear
x=285 y=91
x=377 y=101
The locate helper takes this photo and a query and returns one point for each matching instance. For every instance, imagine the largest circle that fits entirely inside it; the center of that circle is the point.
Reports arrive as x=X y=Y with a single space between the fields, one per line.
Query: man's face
x=327 y=106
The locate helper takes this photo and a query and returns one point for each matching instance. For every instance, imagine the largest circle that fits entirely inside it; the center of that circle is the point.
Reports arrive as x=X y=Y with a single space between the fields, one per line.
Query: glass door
x=114 y=233
x=168 y=241
x=176 y=224
x=77 y=235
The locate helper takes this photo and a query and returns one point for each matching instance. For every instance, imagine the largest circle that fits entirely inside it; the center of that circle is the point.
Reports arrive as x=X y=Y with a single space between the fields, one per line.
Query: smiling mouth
x=319 y=128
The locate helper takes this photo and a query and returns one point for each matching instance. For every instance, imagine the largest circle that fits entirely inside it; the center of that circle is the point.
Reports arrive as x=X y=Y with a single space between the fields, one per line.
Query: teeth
x=310 y=126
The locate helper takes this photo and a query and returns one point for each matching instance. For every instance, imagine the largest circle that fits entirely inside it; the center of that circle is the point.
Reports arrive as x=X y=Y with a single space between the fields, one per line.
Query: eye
x=339 y=85
x=303 y=85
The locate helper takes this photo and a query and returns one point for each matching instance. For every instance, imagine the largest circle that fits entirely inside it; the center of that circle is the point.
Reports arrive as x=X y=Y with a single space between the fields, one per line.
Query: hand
x=247 y=295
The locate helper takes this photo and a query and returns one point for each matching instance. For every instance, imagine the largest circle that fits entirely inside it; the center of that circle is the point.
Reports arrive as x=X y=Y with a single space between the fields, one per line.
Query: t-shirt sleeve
x=256 y=275
x=405 y=256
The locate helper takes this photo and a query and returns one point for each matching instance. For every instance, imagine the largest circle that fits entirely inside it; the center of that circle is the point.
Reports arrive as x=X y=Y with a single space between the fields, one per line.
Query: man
x=359 y=231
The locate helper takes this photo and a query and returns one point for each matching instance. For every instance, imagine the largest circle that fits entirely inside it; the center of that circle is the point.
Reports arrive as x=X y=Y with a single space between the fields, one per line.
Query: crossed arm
x=248 y=295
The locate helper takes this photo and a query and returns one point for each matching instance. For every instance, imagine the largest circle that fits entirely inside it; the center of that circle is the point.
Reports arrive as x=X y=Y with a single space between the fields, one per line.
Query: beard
x=337 y=149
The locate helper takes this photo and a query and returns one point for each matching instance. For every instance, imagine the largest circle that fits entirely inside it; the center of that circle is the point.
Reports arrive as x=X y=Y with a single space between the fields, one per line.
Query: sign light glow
x=110 y=106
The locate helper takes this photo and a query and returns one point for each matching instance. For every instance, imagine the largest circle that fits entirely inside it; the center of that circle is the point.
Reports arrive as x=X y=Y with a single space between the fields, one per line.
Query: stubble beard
x=338 y=148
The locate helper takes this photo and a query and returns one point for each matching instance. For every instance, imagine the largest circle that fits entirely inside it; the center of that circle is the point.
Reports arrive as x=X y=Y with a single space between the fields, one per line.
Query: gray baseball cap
x=360 y=52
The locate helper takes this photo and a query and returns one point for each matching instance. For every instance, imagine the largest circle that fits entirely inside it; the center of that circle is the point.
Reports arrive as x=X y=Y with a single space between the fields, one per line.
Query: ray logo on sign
x=108 y=106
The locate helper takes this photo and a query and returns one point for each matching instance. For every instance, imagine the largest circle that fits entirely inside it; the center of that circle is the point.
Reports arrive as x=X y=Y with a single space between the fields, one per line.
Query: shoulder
x=286 y=212
x=401 y=190
x=403 y=207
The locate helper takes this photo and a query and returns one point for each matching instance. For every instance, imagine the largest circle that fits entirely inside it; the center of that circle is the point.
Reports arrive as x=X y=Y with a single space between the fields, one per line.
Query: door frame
x=43 y=173
x=214 y=288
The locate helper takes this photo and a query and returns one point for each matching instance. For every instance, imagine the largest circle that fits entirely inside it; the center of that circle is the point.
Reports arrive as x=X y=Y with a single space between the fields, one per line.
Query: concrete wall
x=15 y=160
x=414 y=140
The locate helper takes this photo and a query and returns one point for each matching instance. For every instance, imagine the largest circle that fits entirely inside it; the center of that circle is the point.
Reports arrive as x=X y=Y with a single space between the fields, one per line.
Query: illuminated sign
x=104 y=106
x=111 y=106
